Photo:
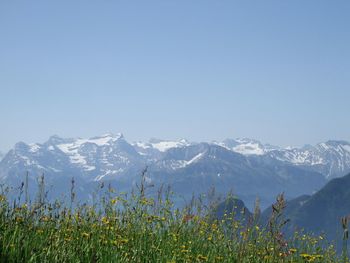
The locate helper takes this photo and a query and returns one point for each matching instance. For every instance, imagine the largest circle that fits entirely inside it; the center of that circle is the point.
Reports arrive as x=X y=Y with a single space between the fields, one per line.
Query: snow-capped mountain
x=154 y=148
x=91 y=159
x=99 y=157
x=247 y=146
x=194 y=169
x=247 y=166
x=331 y=158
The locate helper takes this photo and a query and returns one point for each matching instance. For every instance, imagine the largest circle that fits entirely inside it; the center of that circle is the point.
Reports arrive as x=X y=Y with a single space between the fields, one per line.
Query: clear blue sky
x=278 y=71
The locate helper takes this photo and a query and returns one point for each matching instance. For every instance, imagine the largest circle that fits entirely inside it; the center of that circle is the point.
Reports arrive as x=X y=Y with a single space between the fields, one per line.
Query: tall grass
x=136 y=228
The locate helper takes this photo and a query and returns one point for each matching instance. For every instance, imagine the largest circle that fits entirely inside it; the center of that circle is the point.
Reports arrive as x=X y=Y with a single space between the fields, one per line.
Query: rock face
x=244 y=166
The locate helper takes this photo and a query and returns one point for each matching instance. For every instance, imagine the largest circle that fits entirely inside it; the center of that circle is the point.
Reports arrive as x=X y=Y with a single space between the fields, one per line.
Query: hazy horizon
x=201 y=70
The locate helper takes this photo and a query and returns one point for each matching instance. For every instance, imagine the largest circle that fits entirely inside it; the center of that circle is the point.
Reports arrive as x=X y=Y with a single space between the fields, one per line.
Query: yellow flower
x=105 y=220
x=19 y=219
x=86 y=235
x=292 y=250
x=2 y=198
x=310 y=258
x=124 y=241
x=45 y=219
x=202 y=258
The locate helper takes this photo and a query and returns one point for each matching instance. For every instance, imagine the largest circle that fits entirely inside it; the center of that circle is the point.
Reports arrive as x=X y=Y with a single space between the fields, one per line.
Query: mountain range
x=247 y=167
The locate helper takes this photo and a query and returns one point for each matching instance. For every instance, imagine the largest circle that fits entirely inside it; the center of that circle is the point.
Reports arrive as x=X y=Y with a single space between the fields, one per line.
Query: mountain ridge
x=247 y=166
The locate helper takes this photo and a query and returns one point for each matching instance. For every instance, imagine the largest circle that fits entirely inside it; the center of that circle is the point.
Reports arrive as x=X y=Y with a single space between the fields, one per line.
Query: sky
x=277 y=71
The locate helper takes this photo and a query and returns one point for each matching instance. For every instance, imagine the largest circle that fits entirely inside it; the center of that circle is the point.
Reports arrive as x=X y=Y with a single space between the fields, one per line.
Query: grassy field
x=121 y=228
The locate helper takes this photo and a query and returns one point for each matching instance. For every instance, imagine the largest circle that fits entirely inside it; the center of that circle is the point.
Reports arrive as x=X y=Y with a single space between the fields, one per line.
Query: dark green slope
x=321 y=212
x=233 y=206
x=324 y=210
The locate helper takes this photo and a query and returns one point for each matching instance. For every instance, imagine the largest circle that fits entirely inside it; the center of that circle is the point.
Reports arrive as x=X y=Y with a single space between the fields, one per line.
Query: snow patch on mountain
x=111 y=155
x=331 y=158
x=164 y=145
x=154 y=147
x=34 y=147
x=74 y=149
x=246 y=146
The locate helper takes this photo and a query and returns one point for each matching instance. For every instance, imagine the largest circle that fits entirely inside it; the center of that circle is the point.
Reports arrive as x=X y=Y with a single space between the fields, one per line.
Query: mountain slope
x=232 y=206
x=331 y=158
x=321 y=212
x=247 y=146
x=247 y=167
x=196 y=168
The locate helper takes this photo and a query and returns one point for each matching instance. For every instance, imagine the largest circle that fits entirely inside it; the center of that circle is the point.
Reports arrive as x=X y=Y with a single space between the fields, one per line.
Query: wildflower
x=105 y=220
x=19 y=219
x=187 y=218
x=120 y=241
x=2 y=198
x=124 y=241
x=292 y=250
x=202 y=258
x=86 y=235
x=45 y=219
x=310 y=258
